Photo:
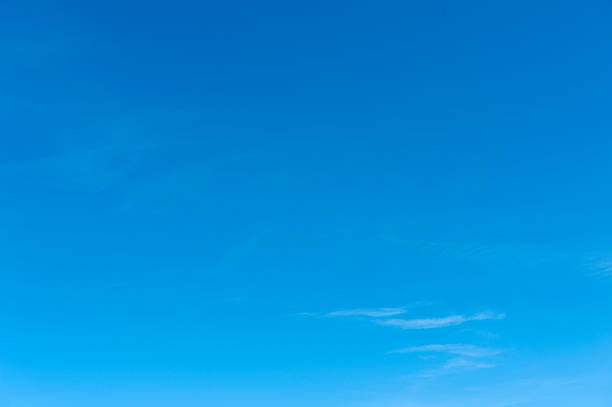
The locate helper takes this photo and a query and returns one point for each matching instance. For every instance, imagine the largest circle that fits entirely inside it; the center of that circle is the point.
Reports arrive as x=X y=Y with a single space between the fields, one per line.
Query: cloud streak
x=466 y=363
x=455 y=365
x=431 y=323
x=374 y=313
x=453 y=349
x=604 y=267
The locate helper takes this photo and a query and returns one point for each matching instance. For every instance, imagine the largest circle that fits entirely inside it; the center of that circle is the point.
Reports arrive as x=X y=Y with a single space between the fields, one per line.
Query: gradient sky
x=322 y=203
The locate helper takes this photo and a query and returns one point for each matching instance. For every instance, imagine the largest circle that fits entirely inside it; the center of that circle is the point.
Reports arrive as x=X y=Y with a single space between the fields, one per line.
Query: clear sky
x=322 y=203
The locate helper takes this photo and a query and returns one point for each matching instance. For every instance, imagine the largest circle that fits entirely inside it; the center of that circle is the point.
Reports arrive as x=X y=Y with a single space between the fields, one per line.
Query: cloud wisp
x=431 y=323
x=373 y=313
x=604 y=267
x=457 y=363
x=463 y=357
x=453 y=349
x=457 y=357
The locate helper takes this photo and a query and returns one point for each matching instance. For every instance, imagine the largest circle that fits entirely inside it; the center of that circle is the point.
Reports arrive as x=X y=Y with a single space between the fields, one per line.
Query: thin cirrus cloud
x=466 y=363
x=453 y=349
x=431 y=323
x=374 y=313
x=454 y=365
x=605 y=267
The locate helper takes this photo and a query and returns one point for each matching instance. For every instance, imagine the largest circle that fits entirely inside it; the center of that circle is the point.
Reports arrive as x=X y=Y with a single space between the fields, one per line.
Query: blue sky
x=391 y=204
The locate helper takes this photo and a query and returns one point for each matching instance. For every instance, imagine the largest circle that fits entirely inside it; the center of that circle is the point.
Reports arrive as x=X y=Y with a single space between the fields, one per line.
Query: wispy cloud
x=456 y=365
x=374 y=313
x=445 y=248
x=599 y=265
x=438 y=249
x=604 y=267
x=116 y=153
x=454 y=349
x=430 y=323
x=466 y=363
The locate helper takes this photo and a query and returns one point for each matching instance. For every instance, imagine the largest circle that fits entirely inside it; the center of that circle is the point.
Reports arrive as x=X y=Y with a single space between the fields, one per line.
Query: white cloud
x=108 y=157
x=466 y=363
x=375 y=313
x=599 y=265
x=454 y=349
x=605 y=267
x=430 y=323
x=456 y=364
